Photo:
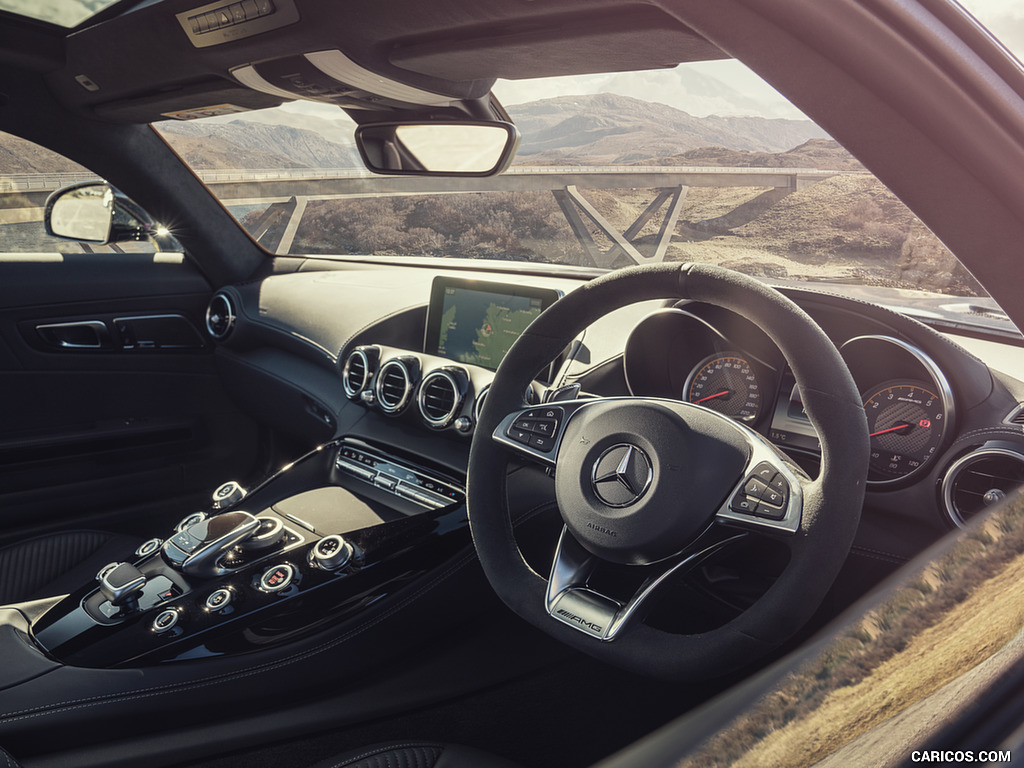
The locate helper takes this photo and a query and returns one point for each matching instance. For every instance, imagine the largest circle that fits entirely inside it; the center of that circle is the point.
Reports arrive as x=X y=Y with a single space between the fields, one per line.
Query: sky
x=1004 y=19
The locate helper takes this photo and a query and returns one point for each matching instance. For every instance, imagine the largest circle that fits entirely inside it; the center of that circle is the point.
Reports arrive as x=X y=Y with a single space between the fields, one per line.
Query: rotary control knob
x=229 y=493
x=331 y=553
x=269 y=535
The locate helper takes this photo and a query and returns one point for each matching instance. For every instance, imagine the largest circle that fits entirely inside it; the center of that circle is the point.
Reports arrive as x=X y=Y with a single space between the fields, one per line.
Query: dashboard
x=401 y=358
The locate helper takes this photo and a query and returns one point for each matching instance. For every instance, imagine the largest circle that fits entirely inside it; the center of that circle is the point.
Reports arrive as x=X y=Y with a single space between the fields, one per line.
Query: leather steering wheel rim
x=831 y=503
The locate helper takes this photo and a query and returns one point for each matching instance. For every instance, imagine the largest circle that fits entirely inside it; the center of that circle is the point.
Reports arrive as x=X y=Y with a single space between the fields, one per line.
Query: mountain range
x=252 y=144
x=611 y=129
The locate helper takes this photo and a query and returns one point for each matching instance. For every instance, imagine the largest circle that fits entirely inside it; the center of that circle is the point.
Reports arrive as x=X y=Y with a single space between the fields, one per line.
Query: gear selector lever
x=121 y=584
x=198 y=549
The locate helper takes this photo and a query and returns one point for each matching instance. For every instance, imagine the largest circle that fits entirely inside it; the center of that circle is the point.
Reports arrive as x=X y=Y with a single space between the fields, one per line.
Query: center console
x=341 y=528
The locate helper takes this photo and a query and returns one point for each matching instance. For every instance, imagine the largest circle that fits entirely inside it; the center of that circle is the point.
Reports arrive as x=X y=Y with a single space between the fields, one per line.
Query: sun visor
x=333 y=78
x=625 y=40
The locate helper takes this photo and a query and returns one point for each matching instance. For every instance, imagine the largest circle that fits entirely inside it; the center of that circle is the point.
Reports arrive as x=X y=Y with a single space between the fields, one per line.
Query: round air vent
x=440 y=397
x=358 y=371
x=220 y=316
x=980 y=479
x=393 y=386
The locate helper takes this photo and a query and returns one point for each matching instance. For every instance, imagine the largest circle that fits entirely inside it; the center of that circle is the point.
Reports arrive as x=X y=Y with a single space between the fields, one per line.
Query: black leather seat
x=57 y=563
x=408 y=754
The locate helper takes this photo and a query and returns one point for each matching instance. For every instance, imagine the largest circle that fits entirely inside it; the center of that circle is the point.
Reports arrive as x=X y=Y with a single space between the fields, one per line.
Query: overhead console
x=471 y=324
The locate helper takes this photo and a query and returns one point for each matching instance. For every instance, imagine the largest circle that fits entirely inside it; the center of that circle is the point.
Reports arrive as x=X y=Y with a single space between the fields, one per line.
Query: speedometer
x=725 y=383
x=905 y=421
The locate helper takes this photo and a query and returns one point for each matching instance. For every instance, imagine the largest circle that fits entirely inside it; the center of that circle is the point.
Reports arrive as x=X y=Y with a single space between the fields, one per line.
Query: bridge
x=288 y=191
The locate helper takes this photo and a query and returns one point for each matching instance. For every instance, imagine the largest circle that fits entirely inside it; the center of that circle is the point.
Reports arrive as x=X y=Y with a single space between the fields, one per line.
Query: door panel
x=110 y=394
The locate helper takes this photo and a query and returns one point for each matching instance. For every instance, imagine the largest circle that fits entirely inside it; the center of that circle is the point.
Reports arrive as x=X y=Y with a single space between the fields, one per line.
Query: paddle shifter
x=198 y=549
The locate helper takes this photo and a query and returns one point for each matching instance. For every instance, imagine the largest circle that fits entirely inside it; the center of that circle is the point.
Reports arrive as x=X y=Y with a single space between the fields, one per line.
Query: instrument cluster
x=729 y=365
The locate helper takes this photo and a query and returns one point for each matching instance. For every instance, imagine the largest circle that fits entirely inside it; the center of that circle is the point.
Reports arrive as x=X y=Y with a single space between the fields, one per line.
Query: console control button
x=385 y=481
x=228 y=494
x=185 y=541
x=147 y=548
x=188 y=522
x=332 y=552
x=219 y=600
x=165 y=620
x=355 y=469
x=277 y=578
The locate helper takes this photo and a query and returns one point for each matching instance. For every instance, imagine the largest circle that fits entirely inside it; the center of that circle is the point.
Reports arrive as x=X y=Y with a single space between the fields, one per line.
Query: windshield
x=704 y=162
x=64 y=13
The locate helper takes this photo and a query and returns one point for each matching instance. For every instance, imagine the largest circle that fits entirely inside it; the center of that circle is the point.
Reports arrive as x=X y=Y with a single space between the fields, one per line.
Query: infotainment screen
x=475 y=322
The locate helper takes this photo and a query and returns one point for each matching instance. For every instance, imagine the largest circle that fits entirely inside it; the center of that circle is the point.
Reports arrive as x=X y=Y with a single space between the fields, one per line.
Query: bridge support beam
x=572 y=203
x=285 y=246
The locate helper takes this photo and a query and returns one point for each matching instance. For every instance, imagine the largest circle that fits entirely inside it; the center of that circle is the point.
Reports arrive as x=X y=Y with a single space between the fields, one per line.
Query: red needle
x=712 y=397
x=904 y=425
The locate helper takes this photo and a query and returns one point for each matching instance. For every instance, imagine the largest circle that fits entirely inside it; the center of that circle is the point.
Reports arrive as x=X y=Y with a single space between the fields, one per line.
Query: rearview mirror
x=95 y=212
x=437 y=148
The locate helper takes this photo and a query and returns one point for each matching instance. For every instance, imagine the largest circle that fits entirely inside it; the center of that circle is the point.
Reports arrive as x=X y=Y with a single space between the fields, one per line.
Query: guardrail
x=44 y=181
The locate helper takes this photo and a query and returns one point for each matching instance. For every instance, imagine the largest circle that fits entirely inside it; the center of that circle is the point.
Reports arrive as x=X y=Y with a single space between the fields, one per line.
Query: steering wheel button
x=764 y=471
x=526 y=425
x=754 y=488
x=541 y=442
x=545 y=426
x=520 y=437
x=774 y=498
x=772 y=513
x=740 y=503
x=779 y=484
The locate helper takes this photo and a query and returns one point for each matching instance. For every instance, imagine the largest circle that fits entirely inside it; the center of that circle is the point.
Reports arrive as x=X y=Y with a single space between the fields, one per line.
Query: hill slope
x=606 y=128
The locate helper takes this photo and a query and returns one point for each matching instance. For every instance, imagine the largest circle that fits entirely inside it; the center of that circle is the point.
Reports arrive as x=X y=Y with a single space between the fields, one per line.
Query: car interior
x=268 y=508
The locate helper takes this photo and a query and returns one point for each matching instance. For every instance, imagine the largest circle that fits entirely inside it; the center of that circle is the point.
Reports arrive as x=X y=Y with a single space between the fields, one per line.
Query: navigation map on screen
x=478 y=327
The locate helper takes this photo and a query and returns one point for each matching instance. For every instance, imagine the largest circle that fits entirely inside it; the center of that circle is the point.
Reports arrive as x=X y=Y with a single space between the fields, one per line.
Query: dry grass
x=966 y=636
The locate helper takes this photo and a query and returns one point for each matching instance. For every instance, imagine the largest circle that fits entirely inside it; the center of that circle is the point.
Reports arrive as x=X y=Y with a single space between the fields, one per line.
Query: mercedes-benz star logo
x=621 y=475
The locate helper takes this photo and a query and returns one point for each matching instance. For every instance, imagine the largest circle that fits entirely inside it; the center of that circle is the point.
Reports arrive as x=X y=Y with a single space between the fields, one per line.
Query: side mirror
x=95 y=212
x=438 y=148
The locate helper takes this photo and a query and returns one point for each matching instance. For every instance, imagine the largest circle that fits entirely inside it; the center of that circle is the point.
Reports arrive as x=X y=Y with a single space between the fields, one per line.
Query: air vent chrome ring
x=438 y=408
x=960 y=502
x=356 y=374
x=220 y=316
x=393 y=386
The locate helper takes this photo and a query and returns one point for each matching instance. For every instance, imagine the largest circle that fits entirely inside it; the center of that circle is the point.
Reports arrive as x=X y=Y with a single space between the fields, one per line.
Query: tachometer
x=906 y=421
x=726 y=383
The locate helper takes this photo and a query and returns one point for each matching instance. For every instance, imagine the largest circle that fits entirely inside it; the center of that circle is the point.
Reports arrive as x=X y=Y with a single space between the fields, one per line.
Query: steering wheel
x=661 y=485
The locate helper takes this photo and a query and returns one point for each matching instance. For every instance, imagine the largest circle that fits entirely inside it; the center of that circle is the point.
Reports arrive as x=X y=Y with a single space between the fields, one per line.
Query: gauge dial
x=906 y=421
x=726 y=383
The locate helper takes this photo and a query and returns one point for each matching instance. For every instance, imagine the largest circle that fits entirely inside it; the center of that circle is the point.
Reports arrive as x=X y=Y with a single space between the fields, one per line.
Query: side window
x=29 y=173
